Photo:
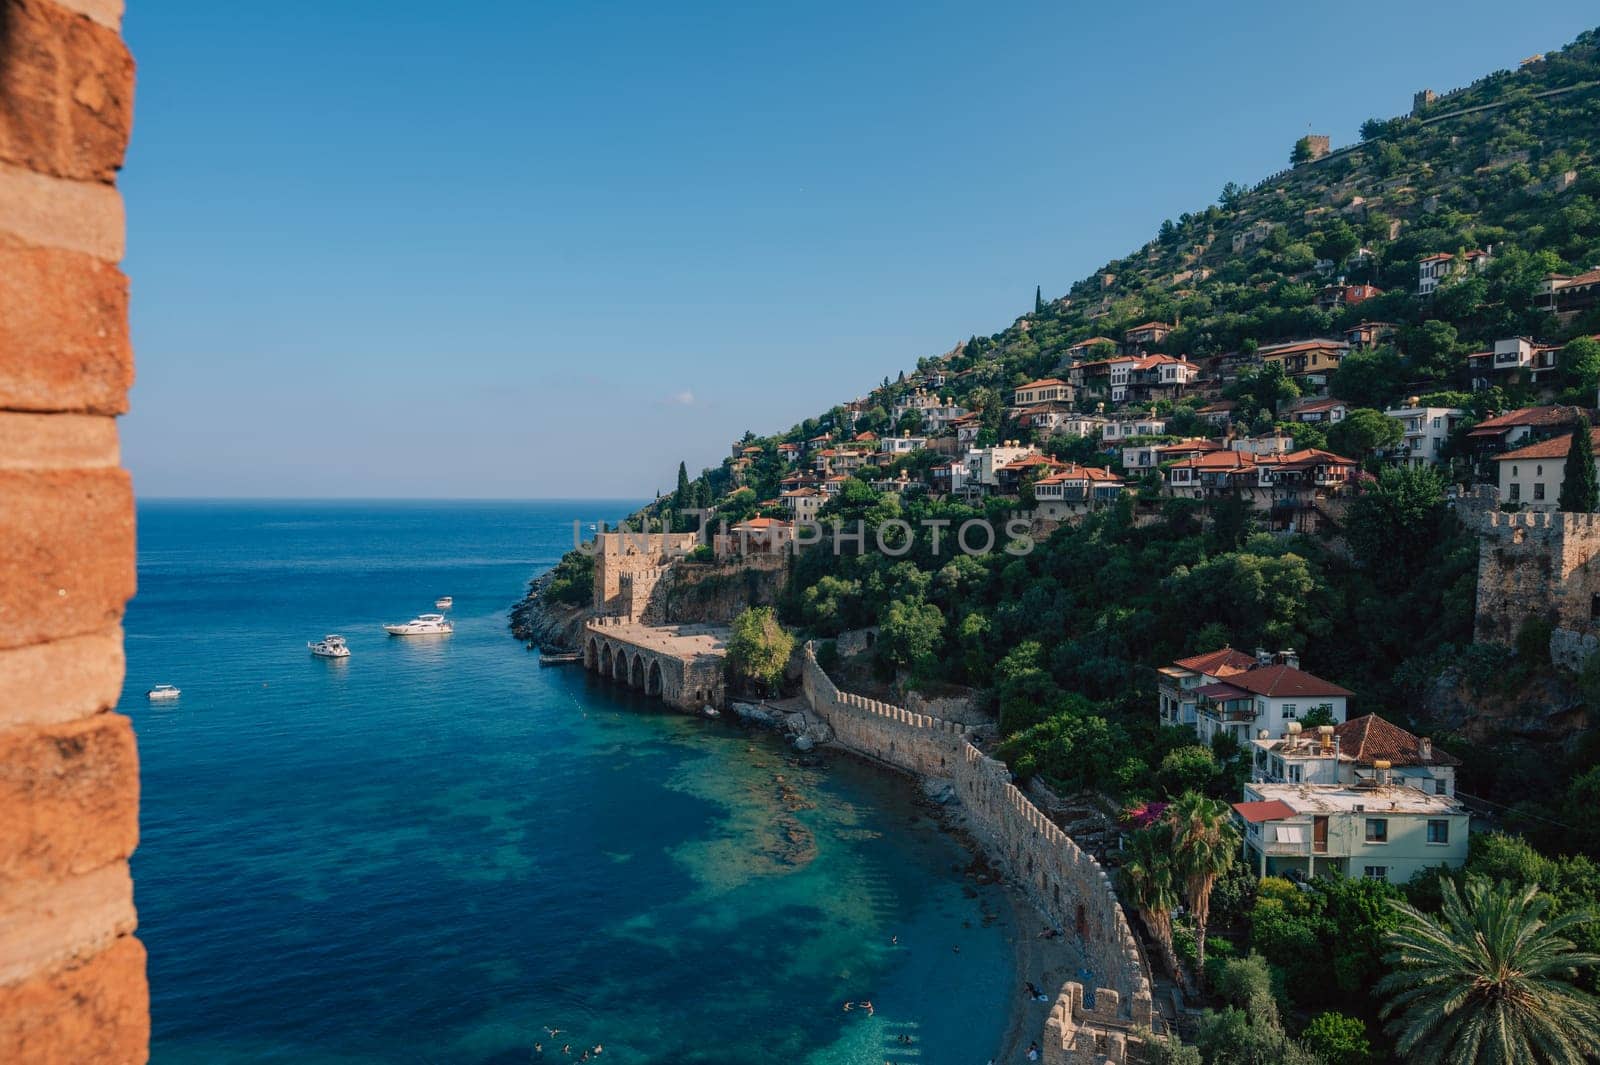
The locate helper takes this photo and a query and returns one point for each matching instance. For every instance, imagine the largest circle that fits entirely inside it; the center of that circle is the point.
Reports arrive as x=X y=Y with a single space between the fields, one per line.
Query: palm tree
x=1146 y=882
x=1203 y=844
x=1486 y=981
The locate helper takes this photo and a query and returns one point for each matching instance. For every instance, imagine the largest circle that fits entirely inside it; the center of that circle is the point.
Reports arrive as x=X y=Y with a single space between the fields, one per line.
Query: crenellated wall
x=1063 y=880
x=72 y=975
x=1536 y=564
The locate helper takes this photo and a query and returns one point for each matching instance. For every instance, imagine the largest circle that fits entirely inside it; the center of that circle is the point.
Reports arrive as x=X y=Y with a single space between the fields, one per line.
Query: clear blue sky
x=531 y=250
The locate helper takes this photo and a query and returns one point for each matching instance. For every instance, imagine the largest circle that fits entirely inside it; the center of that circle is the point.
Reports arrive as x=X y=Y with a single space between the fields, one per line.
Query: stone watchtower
x=627 y=567
x=1537 y=565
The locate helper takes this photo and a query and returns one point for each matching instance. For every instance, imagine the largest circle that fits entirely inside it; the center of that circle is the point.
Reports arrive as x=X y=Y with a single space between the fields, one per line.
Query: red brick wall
x=72 y=976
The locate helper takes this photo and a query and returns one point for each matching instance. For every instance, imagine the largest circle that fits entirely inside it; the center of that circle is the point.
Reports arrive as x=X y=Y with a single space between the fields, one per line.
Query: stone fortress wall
x=1538 y=564
x=1061 y=879
x=627 y=567
x=72 y=975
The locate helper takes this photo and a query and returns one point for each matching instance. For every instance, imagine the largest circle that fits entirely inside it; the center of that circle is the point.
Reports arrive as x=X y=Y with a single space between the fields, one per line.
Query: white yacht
x=162 y=692
x=444 y=602
x=330 y=647
x=421 y=625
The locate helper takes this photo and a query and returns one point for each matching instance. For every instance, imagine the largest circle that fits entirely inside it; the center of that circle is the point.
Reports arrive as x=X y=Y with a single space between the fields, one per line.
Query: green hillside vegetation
x=1063 y=640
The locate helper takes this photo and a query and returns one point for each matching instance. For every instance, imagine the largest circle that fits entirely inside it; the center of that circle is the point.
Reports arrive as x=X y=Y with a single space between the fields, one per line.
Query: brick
x=106 y=12
x=71 y=796
x=57 y=441
x=94 y=1011
x=64 y=679
x=68 y=564
x=54 y=212
x=66 y=92
x=63 y=331
x=60 y=923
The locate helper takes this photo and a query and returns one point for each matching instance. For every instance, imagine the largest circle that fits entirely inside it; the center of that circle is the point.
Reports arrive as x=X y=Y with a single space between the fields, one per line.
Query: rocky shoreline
x=538 y=623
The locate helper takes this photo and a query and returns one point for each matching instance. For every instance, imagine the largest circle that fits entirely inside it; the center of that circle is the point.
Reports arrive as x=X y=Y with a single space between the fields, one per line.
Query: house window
x=1294 y=774
x=1377 y=830
x=1538 y=471
x=1290 y=711
x=1326 y=708
x=1438 y=787
x=1538 y=490
x=1438 y=831
x=1375 y=872
x=1516 y=489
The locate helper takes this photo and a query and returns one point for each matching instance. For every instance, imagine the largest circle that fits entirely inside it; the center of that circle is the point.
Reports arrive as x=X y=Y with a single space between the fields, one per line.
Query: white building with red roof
x=1230 y=692
x=1349 y=755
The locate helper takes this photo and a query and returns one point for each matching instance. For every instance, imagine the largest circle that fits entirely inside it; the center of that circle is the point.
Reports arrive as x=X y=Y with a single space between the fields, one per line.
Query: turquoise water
x=433 y=850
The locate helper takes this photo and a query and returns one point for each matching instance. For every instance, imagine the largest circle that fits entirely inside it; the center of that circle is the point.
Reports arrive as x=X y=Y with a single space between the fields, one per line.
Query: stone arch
x=652 y=678
x=591 y=653
x=605 y=658
x=619 y=665
x=636 y=672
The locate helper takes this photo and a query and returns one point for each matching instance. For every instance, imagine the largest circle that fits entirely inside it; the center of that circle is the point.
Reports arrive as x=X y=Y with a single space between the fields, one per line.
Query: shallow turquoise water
x=429 y=852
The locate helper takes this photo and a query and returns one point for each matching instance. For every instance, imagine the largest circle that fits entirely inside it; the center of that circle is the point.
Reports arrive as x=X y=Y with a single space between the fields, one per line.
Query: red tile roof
x=1554 y=448
x=1369 y=738
x=1148 y=325
x=1270 y=810
x=1042 y=383
x=1285 y=682
x=1532 y=416
x=1218 y=663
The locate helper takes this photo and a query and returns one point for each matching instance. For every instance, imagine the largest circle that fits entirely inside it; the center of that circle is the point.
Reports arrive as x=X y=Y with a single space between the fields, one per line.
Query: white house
x=1266 y=697
x=982 y=463
x=802 y=504
x=1124 y=429
x=1348 y=754
x=1376 y=830
x=1048 y=390
x=1427 y=430
x=1435 y=269
x=1177 y=683
x=1532 y=475
x=903 y=444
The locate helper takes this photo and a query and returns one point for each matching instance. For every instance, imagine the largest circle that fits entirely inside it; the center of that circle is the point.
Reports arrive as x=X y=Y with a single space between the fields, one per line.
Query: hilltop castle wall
x=627 y=567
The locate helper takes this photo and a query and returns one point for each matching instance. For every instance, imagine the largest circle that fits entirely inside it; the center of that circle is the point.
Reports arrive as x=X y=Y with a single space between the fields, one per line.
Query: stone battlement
x=1060 y=878
x=1536 y=565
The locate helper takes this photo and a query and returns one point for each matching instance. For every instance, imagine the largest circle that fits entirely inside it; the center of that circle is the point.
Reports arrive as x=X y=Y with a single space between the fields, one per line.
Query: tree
x=1337 y=1039
x=1370 y=378
x=680 y=498
x=1301 y=152
x=1190 y=768
x=1364 y=431
x=1232 y=193
x=759 y=647
x=1392 y=527
x=1580 y=494
x=1486 y=981
x=1203 y=845
x=1580 y=366
x=909 y=633
x=1338 y=242
x=1145 y=881
x=1038 y=299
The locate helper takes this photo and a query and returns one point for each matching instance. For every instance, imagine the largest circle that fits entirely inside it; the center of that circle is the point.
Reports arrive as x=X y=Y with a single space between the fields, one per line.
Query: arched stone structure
x=643 y=660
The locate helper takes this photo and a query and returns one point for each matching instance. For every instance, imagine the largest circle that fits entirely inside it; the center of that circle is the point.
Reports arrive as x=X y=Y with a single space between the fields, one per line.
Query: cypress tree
x=681 y=499
x=1580 y=491
x=1038 y=299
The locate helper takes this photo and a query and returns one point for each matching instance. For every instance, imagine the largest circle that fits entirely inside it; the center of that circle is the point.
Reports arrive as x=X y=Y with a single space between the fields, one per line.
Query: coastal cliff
x=537 y=620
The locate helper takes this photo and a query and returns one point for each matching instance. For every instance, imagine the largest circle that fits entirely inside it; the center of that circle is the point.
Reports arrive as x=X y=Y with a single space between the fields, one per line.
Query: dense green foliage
x=572 y=580
x=1487 y=981
x=759 y=647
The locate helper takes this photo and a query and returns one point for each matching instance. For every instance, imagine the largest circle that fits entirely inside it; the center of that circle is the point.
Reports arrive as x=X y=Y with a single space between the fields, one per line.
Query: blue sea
x=435 y=850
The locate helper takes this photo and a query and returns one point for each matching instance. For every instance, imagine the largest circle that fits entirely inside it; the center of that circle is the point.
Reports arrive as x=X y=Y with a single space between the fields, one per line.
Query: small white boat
x=329 y=647
x=421 y=625
x=162 y=692
x=444 y=602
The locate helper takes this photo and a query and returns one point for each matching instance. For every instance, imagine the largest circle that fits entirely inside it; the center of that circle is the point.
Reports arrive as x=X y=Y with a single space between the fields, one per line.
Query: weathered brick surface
x=57 y=441
x=63 y=331
x=106 y=12
x=65 y=679
x=71 y=796
x=44 y=926
x=96 y=1011
x=66 y=92
x=54 y=212
x=67 y=566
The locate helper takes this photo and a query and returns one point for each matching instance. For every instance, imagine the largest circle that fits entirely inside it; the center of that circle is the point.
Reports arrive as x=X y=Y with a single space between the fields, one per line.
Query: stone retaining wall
x=1063 y=880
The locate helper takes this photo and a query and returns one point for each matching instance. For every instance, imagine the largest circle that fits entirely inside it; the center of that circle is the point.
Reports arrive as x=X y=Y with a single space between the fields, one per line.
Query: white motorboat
x=444 y=602
x=421 y=625
x=162 y=692
x=329 y=647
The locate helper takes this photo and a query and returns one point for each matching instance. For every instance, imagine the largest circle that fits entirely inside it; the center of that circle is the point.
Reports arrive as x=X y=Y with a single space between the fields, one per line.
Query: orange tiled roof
x=1369 y=738
x=1218 y=663
x=1282 y=682
x=1554 y=448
